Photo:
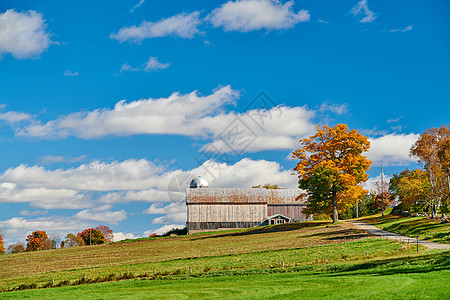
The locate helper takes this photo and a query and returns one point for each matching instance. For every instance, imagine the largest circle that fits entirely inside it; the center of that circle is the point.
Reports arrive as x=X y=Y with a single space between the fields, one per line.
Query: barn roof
x=243 y=196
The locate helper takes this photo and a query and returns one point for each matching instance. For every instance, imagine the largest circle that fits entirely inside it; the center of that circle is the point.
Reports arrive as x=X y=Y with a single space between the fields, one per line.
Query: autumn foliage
x=433 y=151
x=107 y=233
x=330 y=168
x=38 y=240
x=92 y=236
x=2 y=247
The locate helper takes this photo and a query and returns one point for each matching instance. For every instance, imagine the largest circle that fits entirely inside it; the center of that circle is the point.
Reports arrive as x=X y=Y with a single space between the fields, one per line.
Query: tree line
x=39 y=240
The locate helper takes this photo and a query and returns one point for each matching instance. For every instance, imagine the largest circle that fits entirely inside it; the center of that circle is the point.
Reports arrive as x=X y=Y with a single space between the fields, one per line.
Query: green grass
x=405 y=283
x=412 y=226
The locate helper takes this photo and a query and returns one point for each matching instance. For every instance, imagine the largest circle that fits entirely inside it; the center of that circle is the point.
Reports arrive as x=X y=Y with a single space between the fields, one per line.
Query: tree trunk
x=335 y=211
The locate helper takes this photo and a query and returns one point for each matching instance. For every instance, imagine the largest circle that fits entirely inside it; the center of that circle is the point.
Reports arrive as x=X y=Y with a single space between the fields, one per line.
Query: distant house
x=229 y=208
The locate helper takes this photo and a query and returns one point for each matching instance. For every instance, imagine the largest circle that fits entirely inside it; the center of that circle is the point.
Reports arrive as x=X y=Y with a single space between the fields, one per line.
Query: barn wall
x=292 y=211
x=253 y=213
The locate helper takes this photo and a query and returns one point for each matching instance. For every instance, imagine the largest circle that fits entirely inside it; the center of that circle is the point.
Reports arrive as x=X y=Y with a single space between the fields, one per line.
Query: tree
x=72 y=241
x=413 y=187
x=444 y=158
x=107 y=233
x=16 y=248
x=427 y=149
x=92 y=236
x=37 y=241
x=2 y=247
x=267 y=186
x=331 y=167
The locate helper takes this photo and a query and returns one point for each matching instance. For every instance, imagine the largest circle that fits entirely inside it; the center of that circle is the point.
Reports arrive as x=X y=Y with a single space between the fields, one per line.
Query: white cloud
x=250 y=15
x=163 y=229
x=120 y=236
x=188 y=114
x=407 y=28
x=112 y=217
x=23 y=35
x=192 y=115
x=373 y=184
x=18 y=228
x=181 y=25
x=363 y=8
x=126 y=67
x=392 y=149
x=69 y=73
x=14 y=117
x=323 y=21
x=130 y=174
x=152 y=64
x=33 y=213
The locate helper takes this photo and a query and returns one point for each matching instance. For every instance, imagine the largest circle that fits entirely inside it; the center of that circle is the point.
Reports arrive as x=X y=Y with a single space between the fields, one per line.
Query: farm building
x=229 y=208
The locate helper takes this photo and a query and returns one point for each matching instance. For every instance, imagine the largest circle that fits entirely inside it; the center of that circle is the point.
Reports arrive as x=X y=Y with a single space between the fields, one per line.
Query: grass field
x=411 y=226
x=286 y=254
x=402 y=283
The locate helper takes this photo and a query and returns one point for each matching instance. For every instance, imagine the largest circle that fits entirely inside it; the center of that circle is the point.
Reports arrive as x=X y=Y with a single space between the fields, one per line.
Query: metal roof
x=243 y=196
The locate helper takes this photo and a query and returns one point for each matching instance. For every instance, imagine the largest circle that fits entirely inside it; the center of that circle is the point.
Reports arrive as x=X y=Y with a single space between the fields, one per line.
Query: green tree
x=331 y=167
x=267 y=186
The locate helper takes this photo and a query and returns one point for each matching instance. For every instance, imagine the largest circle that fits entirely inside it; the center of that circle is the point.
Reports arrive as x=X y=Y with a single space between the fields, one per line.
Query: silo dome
x=198 y=182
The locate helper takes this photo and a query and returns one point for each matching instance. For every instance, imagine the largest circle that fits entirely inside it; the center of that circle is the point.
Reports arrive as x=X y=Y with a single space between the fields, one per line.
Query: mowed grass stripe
x=403 y=285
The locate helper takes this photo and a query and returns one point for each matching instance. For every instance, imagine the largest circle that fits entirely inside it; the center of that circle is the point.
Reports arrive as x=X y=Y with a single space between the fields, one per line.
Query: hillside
x=302 y=247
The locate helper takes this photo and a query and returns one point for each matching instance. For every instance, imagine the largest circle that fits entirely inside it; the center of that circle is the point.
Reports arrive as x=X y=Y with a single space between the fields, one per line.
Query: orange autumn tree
x=2 y=247
x=36 y=241
x=330 y=168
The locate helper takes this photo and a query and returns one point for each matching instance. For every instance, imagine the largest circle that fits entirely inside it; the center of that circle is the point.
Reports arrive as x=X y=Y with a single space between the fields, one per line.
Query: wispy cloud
x=14 y=116
x=250 y=15
x=363 y=8
x=182 y=25
x=407 y=28
x=323 y=21
x=50 y=159
x=395 y=120
x=69 y=73
x=338 y=109
x=152 y=64
x=137 y=6
x=24 y=34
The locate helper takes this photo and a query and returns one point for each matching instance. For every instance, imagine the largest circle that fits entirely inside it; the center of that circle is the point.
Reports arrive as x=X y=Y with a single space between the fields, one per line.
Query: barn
x=229 y=208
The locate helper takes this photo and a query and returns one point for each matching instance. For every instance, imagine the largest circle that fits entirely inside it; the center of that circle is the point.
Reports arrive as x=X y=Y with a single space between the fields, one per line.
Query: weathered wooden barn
x=227 y=208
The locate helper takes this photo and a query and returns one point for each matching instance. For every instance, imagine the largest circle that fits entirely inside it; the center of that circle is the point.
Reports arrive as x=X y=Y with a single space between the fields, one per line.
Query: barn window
x=280 y=221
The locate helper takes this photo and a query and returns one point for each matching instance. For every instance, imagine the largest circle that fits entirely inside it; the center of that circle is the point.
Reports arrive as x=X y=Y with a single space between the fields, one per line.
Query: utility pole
x=382 y=191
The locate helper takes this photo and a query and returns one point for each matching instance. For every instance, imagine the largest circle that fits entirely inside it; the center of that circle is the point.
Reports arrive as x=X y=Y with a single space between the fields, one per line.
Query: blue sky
x=108 y=107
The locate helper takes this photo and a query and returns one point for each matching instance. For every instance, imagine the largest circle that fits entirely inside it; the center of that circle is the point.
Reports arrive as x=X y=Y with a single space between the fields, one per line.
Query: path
x=394 y=236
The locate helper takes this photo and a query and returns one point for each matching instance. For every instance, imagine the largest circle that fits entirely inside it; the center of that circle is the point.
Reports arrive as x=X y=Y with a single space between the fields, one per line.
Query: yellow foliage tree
x=330 y=168
x=431 y=150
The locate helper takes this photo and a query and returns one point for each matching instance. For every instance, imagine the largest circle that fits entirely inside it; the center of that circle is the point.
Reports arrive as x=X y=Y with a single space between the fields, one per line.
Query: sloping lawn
x=411 y=226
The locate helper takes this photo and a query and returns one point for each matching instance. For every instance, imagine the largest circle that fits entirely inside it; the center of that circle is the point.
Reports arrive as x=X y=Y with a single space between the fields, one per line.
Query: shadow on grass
x=268 y=229
x=414 y=264
x=341 y=234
